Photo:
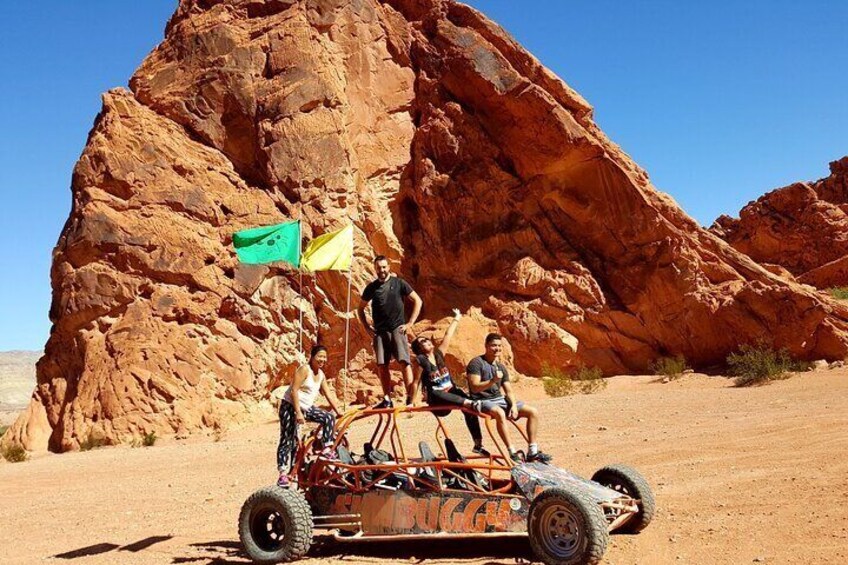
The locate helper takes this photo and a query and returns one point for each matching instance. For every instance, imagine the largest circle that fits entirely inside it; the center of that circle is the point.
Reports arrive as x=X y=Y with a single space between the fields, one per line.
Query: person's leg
x=381 y=353
x=459 y=397
x=288 y=434
x=532 y=416
x=385 y=379
x=412 y=382
x=400 y=351
x=327 y=421
x=533 y=452
x=454 y=396
x=501 y=422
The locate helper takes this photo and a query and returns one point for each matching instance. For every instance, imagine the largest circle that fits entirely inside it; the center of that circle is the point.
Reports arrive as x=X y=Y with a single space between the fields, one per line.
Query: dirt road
x=741 y=476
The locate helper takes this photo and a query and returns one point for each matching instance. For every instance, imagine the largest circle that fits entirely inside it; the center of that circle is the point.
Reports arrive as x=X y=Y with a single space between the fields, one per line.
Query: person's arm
x=362 y=318
x=297 y=381
x=506 y=387
x=416 y=309
x=325 y=390
x=443 y=347
x=475 y=381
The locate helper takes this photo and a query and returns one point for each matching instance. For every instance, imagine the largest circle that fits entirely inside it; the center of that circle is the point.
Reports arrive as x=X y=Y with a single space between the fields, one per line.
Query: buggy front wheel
x=275 y=525
x=567 y=528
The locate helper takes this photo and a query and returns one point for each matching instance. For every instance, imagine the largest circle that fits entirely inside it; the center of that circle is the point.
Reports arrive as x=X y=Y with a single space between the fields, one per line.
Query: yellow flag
x=330 y=252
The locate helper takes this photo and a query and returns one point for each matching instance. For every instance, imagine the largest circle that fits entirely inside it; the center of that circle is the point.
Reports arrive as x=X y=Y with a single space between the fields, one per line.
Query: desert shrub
x=760 y=364
x=839 y=292
x=3 y=430
x=93 y=441
x=147 y=440
x=14 y=453
x=589 y=380
x=585 y=380
x=556 y=382
x=671 y=367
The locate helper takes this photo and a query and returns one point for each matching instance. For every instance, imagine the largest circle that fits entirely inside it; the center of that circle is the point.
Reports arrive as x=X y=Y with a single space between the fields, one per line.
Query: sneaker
x=540 y=457
x=518 y=456
x=385 y=403
x=283 y=481
x=329 y=453
x=480 y=450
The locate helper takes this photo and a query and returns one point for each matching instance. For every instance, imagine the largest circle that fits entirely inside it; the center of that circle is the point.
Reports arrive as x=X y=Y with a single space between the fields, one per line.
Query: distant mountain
x=17 y=378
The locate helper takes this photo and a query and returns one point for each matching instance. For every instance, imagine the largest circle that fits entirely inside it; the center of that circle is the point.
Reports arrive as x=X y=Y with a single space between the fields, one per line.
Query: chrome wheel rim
x=561 y=534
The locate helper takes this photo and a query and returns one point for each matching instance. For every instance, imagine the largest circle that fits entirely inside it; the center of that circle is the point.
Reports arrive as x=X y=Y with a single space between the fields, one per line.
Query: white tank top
x=309 y=389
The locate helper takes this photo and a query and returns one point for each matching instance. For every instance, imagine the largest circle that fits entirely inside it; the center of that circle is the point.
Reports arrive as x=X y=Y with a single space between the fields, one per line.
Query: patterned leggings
x=288 y=431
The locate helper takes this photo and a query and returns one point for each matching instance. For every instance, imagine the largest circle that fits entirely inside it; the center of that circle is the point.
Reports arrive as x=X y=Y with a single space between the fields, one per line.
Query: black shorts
x=388 y=345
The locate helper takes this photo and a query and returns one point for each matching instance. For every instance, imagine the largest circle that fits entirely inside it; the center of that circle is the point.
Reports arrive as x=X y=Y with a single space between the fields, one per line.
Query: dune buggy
x=389 y=492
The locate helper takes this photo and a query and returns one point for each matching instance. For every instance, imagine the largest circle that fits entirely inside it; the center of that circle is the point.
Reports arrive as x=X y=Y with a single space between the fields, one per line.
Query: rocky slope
x=477 y=171
x=802 y=228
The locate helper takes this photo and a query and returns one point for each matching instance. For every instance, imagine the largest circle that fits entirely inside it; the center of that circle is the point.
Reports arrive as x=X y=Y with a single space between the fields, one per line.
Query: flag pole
x=300 y=282
x=347 y=324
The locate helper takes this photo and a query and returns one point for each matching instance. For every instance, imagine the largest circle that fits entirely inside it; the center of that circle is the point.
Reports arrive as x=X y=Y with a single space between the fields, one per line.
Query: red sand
x=740 y=475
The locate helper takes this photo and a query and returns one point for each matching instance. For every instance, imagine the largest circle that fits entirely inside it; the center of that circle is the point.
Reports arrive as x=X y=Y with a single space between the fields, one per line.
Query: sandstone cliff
x=802 y=227
x=477 y=171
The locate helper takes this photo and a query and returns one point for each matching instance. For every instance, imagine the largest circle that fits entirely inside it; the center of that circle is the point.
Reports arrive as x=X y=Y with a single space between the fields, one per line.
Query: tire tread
x=639 y=489
x=298 y=536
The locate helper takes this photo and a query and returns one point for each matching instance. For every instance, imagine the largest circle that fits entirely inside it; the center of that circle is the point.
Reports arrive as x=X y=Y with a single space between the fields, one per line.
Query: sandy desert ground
x=755 y=475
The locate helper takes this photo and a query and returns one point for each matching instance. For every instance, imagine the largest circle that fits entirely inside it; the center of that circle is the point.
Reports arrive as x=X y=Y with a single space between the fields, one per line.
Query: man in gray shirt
x=488 y=381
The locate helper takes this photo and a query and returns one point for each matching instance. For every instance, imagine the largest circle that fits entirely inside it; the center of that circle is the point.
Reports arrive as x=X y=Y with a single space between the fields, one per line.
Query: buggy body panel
x=533 y=478
x=415 y=512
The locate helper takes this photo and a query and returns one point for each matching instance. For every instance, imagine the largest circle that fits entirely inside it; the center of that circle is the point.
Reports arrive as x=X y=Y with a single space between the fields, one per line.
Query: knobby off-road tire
x=275 y=525
x=629 y=481
x=567 y=528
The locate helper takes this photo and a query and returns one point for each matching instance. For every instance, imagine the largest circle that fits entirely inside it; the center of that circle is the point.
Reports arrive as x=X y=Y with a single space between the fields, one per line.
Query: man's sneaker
x=480 y=450
x=518 y=456
x=283 y=481
x=540 y=457
x=385 y=403
x=329 y=453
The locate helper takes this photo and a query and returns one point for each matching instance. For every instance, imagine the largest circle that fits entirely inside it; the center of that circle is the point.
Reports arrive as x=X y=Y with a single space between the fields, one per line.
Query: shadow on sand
x=99 y=548
x=498 y=551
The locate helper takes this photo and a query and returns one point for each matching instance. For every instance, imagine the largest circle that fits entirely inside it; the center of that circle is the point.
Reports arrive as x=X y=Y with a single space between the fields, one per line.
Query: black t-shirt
x=486 y=370
x=386 y=300
x=434 y=377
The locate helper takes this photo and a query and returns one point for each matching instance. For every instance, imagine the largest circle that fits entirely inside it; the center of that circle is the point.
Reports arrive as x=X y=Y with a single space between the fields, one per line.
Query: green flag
x=267 y=244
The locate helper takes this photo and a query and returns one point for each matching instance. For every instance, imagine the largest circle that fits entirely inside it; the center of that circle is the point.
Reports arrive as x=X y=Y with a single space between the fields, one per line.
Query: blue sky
x=719 y=101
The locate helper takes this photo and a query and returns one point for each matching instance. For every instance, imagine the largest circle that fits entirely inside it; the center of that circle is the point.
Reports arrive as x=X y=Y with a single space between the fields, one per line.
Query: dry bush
x=760 y=364
x=3 y=430
x=586 y=380
x=147 y=440
x=671 y=367
x=14 y=453
x=93 y=441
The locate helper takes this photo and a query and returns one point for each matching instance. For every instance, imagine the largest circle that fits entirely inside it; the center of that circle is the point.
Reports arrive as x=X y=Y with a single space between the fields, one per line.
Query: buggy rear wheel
x=567 y=528
x=630 y=482
x=275 y=525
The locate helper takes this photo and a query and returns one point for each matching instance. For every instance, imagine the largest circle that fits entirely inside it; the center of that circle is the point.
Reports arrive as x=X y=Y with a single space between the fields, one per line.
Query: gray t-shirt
x=486 y=370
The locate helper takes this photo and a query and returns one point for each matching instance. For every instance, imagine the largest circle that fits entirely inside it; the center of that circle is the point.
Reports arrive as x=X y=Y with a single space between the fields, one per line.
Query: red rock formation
x=476 y=170
x=802 y=228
